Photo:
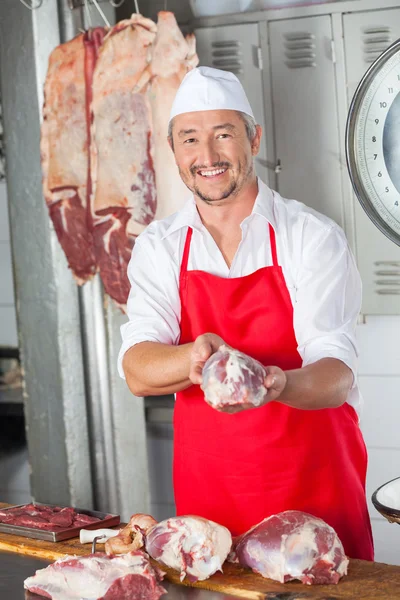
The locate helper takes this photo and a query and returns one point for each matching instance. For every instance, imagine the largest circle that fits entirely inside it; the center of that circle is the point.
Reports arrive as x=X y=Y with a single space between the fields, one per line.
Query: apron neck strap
x=186 y=250
x=272 y=241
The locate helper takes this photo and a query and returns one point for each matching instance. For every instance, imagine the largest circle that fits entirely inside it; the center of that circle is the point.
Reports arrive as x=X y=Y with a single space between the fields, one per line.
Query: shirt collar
x=188 y=216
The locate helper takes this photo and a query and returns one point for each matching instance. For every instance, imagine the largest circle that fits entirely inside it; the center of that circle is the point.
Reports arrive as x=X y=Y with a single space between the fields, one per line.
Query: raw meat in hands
x=233 y=381
x=192 y=545
x=292 y=545
x=98 y=577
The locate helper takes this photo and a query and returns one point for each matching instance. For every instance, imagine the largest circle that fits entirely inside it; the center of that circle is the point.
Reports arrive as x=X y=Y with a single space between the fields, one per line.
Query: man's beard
x=233 y=189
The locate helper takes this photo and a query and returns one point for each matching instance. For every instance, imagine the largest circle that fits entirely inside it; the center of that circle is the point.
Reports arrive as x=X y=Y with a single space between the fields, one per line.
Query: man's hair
x=248 y=121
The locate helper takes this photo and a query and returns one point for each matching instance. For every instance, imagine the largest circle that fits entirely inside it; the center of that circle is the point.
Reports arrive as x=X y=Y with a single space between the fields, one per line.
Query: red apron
x=237 y=469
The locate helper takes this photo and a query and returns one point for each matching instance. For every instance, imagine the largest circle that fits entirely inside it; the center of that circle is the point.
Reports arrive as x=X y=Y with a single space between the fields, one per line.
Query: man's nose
x=208 y=154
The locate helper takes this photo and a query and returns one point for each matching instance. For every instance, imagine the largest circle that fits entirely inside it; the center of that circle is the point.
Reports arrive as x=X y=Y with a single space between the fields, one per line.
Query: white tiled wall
x=379 y=379
x=8 y=323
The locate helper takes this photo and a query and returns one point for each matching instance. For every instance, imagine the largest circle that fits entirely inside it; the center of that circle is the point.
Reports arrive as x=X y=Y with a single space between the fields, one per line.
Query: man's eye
x=223 y=135
x=189 y=141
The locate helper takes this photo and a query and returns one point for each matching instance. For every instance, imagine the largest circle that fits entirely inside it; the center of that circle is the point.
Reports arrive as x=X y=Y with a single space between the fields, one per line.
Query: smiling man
x=274 y=279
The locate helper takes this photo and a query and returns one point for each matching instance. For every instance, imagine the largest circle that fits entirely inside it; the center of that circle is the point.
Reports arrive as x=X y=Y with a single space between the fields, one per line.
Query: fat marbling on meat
x=292 y=545
x=233 y=380
x=99 y=577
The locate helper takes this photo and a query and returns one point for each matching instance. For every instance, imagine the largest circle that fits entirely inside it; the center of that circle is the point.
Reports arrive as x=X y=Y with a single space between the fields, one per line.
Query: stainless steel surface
x=14 y=569
x=107 y=520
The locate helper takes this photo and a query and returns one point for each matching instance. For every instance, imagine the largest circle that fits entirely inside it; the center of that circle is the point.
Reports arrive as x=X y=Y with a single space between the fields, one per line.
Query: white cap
x=204 y=88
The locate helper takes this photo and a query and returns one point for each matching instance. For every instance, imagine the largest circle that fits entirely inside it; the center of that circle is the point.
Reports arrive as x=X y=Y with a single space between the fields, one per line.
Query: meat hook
x=137 y=6
x=116 y=4
x=32 y=6
x=87 y=11
x=103 y=16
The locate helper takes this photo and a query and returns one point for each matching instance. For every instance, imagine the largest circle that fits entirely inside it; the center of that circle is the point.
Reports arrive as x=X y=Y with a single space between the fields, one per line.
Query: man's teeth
x=211 y=173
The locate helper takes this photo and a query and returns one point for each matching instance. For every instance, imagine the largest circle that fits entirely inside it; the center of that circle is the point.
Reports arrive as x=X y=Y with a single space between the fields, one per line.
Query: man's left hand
x=275 y=382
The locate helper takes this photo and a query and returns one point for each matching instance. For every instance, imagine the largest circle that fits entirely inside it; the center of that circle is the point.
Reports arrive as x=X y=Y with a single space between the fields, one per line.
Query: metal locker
x=237 y=48
x=305 y=113
x=366 y=36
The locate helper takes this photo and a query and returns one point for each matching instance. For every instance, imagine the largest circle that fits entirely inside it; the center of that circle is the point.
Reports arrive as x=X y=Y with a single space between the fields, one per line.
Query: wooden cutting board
x=365 y=580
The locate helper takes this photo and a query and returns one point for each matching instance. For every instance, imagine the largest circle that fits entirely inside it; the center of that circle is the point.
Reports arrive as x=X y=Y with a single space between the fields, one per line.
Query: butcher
x=242 y=266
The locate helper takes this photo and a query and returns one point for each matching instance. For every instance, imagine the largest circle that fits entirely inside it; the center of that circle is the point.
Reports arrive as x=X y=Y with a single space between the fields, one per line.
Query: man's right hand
x=204 y=346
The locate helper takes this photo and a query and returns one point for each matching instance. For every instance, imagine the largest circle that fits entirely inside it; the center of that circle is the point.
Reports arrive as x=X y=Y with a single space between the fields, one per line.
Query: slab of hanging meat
x=233 y=381
x=172 y=56
x=65 y=149
x=292 y=545
x=99 y=577
x=123 y=179
x=194 y=546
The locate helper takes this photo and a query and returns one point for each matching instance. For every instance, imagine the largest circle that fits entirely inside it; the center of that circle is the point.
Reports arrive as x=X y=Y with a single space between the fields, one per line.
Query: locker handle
x=276 y=167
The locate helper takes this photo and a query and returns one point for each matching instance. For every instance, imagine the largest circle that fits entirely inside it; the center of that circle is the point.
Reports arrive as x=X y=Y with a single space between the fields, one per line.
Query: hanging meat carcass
x=124 y=191
x=64 y=149
x=134 y=175
x=292 y=545
x=172 y=56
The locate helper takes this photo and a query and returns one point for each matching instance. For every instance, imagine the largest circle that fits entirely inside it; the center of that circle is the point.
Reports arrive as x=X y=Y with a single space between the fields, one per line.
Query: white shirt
x=318 y=266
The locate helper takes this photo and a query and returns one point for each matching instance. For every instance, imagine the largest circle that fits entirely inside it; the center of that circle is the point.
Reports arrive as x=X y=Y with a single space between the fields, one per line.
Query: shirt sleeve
x=328 y=298
x=153 y=305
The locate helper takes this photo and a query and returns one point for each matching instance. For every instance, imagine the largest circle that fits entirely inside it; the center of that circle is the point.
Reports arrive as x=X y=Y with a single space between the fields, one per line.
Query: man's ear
x=255 y=144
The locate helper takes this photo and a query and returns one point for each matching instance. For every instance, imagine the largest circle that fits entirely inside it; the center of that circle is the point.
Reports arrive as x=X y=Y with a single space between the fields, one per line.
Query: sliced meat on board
x=98 y=577
x=292 y=545
x=64 y=149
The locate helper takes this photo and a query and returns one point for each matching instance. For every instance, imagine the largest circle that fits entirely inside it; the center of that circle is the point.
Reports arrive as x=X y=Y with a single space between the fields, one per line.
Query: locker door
x=236 y=48
x=366 y=36
x=305 y=113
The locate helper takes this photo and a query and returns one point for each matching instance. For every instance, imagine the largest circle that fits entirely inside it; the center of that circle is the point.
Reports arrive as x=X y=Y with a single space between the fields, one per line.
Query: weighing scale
x=373 y=142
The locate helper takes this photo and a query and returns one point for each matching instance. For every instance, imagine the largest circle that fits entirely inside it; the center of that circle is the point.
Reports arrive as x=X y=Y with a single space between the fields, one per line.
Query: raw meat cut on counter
x=48 y=518
x=233 y=381
x=172 y=56
x=131 y=537
x=292 y=545
x=99 y=577
x=64 y=148
x=194 y=546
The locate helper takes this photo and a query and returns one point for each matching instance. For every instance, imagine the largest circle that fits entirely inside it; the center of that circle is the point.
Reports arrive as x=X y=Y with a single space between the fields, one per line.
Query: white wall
x=8 y=324
x=379 y=379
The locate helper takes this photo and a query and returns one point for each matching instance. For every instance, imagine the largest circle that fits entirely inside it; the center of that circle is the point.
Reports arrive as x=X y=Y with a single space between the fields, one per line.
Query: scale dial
x=373 y=142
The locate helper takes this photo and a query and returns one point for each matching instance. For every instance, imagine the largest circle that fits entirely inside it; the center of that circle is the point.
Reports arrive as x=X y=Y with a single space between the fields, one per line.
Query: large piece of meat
x=98 y=577
x=123 y=178
x=172 y=56
x=194 y=546
x=292 y=545
x=233 y=381
x=64 y=149
x=41 y=516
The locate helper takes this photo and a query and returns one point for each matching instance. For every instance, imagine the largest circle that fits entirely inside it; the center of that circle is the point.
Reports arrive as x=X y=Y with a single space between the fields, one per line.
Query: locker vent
x=375 y=40
x=389 y=282
x=299 y=50
x=227 y=55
